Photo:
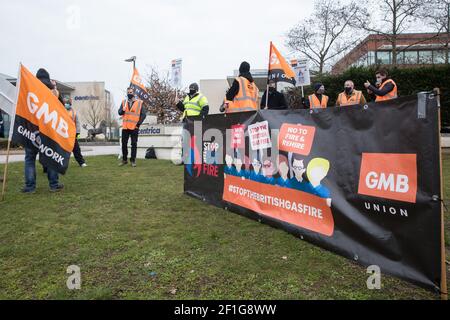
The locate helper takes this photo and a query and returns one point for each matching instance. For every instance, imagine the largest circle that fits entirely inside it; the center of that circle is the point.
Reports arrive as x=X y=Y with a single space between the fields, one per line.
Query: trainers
x=123 y=163
x=28 y=190
x=58 y=188
x=84 y=165
x=133 y=164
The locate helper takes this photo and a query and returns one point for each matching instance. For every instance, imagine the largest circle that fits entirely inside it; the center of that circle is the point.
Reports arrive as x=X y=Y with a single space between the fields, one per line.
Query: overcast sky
x=212 y=37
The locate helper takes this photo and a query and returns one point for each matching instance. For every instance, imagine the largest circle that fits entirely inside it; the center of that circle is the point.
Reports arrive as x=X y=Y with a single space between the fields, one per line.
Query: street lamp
x=132 y=59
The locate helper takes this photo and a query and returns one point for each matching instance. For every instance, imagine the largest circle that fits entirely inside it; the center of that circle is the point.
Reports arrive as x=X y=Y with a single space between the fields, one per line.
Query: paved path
x=87 y=151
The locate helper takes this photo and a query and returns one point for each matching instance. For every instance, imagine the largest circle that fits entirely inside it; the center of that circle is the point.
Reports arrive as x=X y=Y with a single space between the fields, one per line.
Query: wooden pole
x=444 y=293
x=268 y=73
x=6 y=169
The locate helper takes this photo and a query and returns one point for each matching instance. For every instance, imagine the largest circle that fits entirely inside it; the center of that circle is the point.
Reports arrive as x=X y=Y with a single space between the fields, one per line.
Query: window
x=426 y=57
x=384 y=57
x=410 y=57
x=439 y=57
x=400 y=57
x=371 y=57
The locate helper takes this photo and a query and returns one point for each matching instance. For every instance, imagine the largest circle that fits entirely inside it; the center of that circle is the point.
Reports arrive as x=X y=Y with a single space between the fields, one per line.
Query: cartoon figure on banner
x=283 y=170
x=234 y=165
x=298 y=169
x=317 y=170
x=268 y=170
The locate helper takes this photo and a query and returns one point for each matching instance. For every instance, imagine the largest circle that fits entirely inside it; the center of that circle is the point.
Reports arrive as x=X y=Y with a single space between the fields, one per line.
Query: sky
x=80 y=40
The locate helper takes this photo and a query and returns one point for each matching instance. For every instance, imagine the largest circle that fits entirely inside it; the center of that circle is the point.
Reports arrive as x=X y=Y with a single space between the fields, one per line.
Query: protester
x=318 y=99
x=350 y=96
x=76 y=148
x=243 y=93
x=133 y=114
x=194 y=104
x=2 y=130
x=30 y=154
x=276 y=101
x=385 y=89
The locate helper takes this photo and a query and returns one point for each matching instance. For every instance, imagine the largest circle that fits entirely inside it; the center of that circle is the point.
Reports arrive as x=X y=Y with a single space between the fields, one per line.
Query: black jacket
x=234 y=90
x=381 y=93
x=142 y=116
x=277 y=101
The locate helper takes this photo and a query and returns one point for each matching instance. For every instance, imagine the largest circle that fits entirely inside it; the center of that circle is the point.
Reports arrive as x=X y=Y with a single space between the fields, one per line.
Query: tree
x=163 y=98
x=111 y=115
x=397 y=16
x=328 y=34
x=95 y=113
x=437 y=12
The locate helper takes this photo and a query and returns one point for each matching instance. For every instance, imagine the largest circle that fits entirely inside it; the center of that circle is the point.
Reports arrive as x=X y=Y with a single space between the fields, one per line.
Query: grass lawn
x=135 y=235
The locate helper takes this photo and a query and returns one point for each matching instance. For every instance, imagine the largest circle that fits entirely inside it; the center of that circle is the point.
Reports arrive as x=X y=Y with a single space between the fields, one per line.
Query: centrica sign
x=86 y=98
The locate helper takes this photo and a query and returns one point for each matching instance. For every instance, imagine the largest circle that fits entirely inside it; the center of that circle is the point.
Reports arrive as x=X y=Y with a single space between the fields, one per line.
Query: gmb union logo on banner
x=389 y=176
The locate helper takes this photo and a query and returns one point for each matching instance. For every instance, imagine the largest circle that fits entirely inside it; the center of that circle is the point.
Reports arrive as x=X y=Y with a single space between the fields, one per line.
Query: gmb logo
x=388 y=175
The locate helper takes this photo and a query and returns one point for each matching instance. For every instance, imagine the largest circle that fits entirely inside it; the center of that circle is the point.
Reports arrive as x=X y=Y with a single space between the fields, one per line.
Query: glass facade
x=426 y=57
x=403 y=57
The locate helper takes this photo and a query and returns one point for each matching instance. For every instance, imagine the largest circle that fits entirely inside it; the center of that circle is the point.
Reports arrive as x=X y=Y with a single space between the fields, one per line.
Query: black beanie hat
x=44 y=76
x=244 y=67
x=317 y=86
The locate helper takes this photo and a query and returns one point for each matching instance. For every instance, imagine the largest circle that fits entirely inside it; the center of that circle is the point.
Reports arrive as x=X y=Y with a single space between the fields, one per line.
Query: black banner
x=51 y=154
x=363 y=182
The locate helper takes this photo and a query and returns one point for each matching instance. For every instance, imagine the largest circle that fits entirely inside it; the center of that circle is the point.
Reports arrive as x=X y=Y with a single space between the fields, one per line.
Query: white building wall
x=88 y=95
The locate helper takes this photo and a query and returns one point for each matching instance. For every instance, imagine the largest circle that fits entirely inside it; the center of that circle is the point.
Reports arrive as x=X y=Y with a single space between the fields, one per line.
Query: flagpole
x=303 y=93
x=268 y=73
x=6 y=169
x=11 y=130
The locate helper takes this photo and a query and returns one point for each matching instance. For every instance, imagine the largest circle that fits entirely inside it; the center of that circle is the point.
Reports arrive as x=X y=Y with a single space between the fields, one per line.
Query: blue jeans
x=30 y=171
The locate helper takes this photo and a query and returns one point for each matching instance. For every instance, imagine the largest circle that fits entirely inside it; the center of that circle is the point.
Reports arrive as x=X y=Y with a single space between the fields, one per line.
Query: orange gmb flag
x=42 y=123
x=139 y=88
x=279 y=69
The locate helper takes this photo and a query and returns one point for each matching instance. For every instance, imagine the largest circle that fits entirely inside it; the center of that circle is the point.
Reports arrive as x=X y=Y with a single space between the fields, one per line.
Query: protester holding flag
x=194 y=104
x=133 y=114
x=243 y=93
x=276 y=100
x=50 y=139
x=76 y=148
x=318 y=99
x=350 y=96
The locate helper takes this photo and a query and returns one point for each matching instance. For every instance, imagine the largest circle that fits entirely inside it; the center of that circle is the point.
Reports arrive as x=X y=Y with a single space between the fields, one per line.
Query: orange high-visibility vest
x=391 y=95
x=354 y=99
x=314 y=102
x=247 y=97
x=131 y=116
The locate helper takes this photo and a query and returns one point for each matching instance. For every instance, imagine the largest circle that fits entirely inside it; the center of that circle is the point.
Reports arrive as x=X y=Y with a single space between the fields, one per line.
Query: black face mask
x=272 y=89
x=130 y=96
x=192 y=92
x=348 y=90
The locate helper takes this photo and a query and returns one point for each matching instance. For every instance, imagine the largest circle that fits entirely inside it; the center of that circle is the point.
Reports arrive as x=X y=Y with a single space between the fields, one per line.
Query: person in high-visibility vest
x=350 y=96
x=385 y=89
x=194 y=104
x=133 y=114
x=243 y=94
x=318 y=99
x=76 y=148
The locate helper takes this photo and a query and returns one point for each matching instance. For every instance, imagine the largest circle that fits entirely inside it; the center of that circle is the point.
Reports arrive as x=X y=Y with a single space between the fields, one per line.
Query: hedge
x=410 y=81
